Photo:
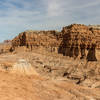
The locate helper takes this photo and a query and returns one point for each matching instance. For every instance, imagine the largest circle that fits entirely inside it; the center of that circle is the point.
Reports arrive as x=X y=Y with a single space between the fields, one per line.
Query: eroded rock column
x=91 y=56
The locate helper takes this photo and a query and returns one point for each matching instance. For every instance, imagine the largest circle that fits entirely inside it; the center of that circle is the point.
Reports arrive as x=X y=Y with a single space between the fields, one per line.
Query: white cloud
x=20 y=15
x=55 y=7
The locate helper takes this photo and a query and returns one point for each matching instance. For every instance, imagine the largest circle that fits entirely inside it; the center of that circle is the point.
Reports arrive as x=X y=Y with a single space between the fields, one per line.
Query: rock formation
x=31 y=39
x=78 y=41
x=96 y=30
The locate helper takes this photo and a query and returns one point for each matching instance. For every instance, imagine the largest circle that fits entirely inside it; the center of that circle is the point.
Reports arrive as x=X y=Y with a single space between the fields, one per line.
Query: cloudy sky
x=19 y=15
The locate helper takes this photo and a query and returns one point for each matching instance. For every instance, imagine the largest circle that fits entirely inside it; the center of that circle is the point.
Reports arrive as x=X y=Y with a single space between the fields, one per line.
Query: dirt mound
x=15 y=64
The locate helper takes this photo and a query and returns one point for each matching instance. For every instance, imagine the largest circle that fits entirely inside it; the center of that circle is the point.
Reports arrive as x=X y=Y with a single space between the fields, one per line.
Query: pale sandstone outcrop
x=23 y=67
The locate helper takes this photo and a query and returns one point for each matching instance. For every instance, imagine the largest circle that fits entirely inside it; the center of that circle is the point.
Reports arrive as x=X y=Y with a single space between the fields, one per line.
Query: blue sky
x=19 y=15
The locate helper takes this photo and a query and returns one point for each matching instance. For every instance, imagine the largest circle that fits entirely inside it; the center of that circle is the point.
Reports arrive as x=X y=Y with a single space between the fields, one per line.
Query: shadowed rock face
x=78 y=42
x=91 y=53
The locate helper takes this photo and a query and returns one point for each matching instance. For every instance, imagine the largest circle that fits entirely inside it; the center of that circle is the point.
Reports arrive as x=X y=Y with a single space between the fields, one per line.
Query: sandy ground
x=14 y=86
x=17 y=87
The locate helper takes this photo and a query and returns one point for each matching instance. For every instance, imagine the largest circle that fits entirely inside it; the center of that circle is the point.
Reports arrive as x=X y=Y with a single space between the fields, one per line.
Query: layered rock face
x=78 y=41
x=31 y=39
x=96 y=30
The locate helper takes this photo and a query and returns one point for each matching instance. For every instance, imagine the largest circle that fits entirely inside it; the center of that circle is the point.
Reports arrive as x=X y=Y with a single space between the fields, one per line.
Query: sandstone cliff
x=96 y=30
x=78 y=41
x=31 y=39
